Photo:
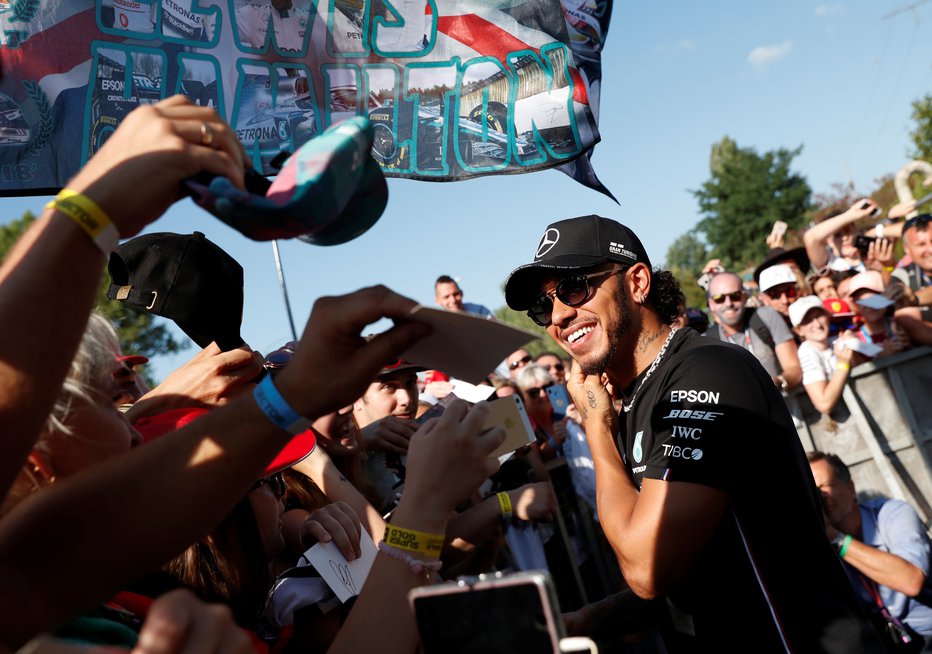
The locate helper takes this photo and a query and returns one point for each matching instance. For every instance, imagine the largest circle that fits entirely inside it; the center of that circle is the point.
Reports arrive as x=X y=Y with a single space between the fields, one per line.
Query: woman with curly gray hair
x=84 y=426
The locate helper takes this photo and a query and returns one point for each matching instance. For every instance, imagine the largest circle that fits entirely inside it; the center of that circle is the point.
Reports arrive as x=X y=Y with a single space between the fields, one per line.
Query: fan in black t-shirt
x=706 y=495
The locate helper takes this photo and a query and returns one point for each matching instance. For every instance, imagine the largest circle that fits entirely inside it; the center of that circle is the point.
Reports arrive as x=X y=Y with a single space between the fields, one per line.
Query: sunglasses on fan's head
x=573 y=291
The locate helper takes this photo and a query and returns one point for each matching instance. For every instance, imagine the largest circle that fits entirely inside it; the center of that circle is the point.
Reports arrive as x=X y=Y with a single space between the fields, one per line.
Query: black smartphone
x=492 y=614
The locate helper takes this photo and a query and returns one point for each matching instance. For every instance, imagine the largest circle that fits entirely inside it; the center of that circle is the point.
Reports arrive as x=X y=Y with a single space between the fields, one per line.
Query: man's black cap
x=183 y=277
x=581 y=242
x=778 y=255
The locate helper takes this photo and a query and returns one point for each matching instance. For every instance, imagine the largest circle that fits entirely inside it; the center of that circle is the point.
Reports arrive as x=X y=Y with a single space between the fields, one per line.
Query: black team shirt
x=767 y=580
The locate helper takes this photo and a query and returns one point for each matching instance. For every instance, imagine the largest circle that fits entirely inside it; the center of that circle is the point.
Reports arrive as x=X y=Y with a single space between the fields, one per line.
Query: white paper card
x=344 y=577
x=463 y=345
x=867 y=349
x=471 y=392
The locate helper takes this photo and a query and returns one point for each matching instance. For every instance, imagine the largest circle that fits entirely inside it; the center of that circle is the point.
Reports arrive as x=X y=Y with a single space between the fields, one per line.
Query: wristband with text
x=413 y=541
x=504 y=501
x=87 y=215
x=277 y=409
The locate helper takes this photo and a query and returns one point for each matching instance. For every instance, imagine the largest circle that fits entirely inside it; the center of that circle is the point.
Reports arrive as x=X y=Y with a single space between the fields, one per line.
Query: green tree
x=746 y=193
x=921 y=135
x=685 y=258
x=521 y=319
x=138 y=332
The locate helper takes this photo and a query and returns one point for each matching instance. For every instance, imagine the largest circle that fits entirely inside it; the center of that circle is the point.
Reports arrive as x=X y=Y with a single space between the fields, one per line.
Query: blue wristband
x=277 y=410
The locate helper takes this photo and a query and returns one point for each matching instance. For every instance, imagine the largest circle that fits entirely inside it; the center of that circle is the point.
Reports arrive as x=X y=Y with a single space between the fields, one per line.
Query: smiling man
x=703 y=487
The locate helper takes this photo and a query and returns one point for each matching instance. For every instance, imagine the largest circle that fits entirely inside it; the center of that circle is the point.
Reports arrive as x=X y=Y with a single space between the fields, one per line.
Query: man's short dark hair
x=921 y=221
x=445 y=279
x=841 y=470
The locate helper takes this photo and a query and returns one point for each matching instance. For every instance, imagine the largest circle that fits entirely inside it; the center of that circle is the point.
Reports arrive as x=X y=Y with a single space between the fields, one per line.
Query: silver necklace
x=630 y=405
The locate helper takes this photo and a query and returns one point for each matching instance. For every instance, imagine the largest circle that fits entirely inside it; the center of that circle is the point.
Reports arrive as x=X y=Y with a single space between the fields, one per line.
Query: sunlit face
x=336 y=432
x=839 y=498
x=596 y=330
x=843 y=242
x=780 y=297
x=554 y=366
x=99 y=432
x=824 y=288
x=517 y=360
x=815 y=326
x=392 y=395
x=449 y=296
x=918 y=244
x=727 y=300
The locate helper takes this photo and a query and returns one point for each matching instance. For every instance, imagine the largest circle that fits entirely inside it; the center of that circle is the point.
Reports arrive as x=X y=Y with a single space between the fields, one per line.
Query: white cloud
x=767 y=54
x=685 y=44
x=679 y=46
x=829 y=10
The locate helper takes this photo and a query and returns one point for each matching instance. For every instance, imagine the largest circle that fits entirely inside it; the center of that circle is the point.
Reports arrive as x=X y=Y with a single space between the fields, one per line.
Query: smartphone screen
x=496 y=620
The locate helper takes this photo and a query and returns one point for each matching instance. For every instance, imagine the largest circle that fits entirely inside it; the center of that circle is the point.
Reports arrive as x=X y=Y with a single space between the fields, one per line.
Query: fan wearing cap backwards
x=703 y=487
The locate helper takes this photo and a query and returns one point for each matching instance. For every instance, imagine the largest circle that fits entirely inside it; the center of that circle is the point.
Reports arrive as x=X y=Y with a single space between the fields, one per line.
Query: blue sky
x=836 y=78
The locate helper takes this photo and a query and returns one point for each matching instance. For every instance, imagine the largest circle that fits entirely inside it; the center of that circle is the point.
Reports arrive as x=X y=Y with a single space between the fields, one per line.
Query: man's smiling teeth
x=578 y=334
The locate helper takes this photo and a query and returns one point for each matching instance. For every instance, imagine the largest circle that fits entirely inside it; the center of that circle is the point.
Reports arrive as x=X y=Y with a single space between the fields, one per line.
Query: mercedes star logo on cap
x=550 y=238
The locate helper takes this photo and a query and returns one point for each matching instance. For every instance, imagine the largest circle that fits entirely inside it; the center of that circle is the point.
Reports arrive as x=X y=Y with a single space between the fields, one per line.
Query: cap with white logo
x=582 y=242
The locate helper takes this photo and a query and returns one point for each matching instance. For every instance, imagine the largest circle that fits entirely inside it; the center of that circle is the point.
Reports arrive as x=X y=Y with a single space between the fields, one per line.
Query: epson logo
x=111 y=85
x=692 y=395
x=678 y=452
x=691 y=433
x=693 y=415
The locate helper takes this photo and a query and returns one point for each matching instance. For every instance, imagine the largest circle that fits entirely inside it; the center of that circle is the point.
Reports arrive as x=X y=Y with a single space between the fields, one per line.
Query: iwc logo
x=550 y=238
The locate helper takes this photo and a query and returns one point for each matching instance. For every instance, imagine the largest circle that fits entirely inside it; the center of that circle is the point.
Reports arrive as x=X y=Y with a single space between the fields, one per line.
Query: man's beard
x=614 y=331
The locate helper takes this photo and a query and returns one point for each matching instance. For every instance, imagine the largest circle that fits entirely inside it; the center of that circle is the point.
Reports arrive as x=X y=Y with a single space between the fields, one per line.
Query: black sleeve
x=710 y=403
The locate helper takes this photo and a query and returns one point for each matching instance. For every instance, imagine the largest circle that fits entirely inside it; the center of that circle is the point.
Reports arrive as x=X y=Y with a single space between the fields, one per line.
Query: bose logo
x=692 y=433
x=704 y=397
x=678 y=452
x=694 y=415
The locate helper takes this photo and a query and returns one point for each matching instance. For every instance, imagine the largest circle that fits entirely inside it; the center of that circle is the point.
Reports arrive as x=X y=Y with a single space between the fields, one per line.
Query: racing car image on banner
x=14 y=128
x=456 y=88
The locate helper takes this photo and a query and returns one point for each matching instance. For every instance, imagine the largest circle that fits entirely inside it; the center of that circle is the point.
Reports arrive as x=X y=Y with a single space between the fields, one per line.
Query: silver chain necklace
x=630 y=405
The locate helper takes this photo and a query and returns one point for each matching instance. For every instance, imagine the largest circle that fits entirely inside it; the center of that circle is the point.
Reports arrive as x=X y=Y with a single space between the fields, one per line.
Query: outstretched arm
x=44 y=306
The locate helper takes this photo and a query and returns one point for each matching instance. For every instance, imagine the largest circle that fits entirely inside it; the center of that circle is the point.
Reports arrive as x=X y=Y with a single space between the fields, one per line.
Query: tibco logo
x=678 y=452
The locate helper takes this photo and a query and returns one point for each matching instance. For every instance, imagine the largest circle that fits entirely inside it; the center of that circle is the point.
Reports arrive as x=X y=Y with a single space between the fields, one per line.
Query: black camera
x=862 y=242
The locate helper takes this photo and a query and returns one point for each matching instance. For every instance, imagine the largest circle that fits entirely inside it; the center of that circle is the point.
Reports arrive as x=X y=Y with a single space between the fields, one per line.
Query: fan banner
x=453 y=88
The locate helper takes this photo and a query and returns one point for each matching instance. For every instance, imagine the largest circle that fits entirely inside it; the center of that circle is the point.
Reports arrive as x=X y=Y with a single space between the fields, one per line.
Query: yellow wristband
x=89 y=217
x=413 y=541
x=841 y=365
x=889 y=269
x=504 y=501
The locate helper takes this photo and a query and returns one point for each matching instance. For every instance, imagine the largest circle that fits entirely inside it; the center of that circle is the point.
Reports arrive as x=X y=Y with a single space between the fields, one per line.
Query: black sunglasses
x=734 y=297
x=514 y=365
x=535 y=391
x=572 y=291
x=791 y=293
x=276 y=483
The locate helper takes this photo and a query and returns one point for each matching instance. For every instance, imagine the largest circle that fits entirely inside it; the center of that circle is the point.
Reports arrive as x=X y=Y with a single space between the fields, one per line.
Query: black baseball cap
x=183 y=277
x=581 y=242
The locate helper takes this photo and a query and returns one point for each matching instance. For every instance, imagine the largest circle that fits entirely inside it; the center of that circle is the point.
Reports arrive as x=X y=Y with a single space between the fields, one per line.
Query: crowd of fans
x=125 y=509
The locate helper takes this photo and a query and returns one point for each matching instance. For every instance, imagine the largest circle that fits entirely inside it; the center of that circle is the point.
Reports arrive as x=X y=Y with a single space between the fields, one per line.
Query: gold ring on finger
x=207 y=134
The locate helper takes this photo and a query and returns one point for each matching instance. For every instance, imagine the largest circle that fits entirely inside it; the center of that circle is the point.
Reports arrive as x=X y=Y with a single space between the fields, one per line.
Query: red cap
x=153 y=427
x=133 y=360
x=837 y=307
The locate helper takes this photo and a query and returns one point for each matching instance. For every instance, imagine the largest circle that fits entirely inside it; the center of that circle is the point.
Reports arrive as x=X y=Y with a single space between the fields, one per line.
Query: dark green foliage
x=746 y=193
